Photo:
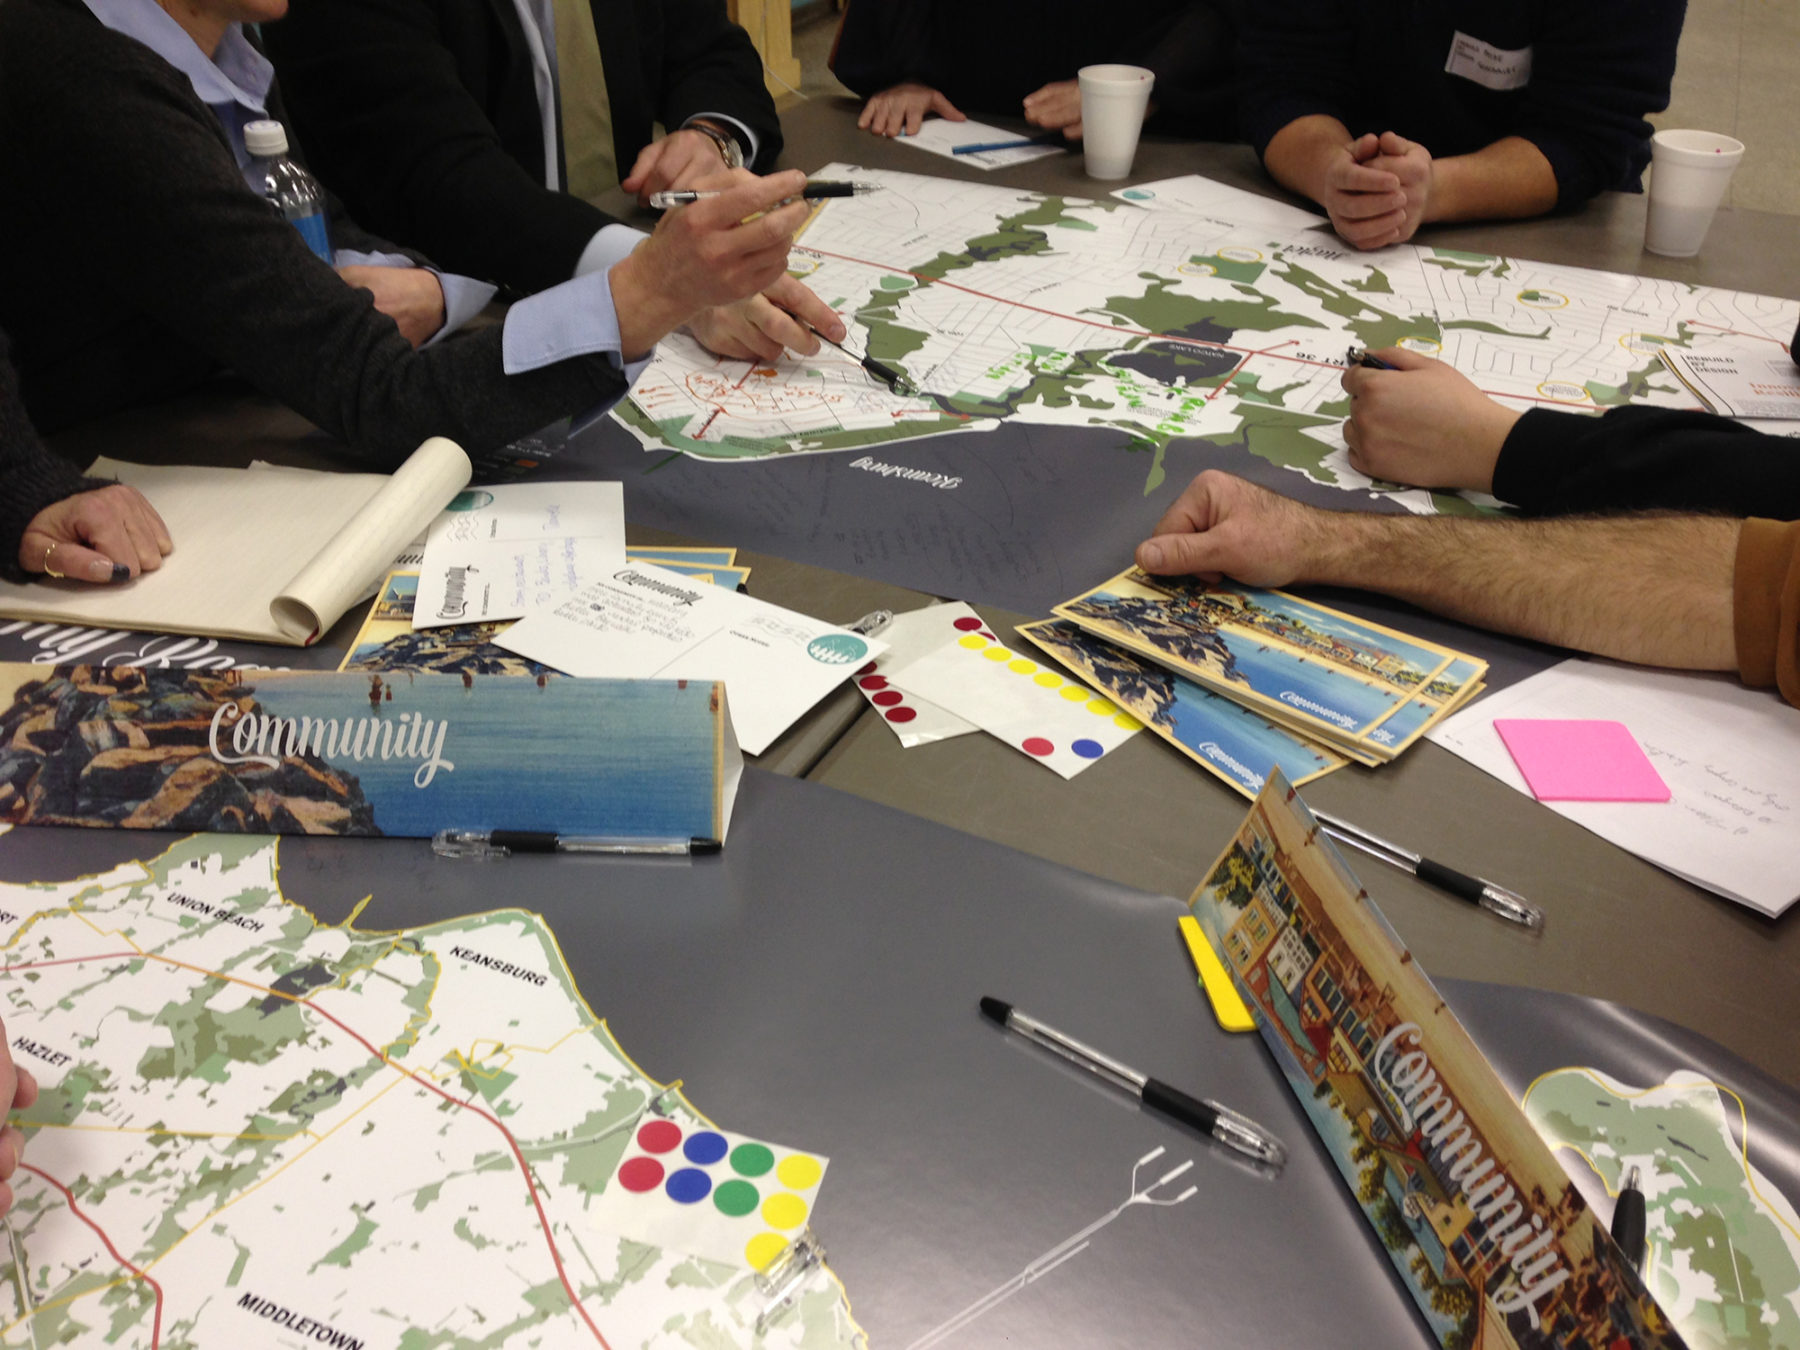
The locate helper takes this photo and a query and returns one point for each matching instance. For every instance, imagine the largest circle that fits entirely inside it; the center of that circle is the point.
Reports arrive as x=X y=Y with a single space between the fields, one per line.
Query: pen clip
x=1511 y=906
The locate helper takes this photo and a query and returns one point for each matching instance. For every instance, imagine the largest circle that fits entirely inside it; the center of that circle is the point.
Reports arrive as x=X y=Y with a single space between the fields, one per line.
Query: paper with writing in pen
x=504 y=551
x=643 y=622
x=938 y=136
x=1729 y=755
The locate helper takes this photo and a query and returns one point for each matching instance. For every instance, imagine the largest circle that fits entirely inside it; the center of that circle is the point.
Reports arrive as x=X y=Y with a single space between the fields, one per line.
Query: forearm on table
x=1297 y=155
x=1509 y=179
x=1654 y=589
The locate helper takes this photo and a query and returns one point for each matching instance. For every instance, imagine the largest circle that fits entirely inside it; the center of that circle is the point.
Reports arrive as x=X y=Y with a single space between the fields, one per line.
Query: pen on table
x=502 y=843
x=895 y=380
x=1221 y=1122
x=1509 y=905
x=981 y=147
x=812 y=192
x=1628 y=1219
x=1359 y=356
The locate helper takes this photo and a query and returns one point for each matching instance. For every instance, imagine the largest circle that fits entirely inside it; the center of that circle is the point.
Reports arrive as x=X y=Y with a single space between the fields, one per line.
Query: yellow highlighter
x=1232 y=1012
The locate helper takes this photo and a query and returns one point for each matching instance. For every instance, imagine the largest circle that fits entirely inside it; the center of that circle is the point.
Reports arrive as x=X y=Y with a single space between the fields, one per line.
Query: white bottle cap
x=264 y=139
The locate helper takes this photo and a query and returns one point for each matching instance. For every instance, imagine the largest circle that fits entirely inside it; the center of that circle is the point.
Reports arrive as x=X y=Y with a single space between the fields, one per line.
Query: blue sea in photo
x=1273 y=671
x=1236 y=734
x=632 y=757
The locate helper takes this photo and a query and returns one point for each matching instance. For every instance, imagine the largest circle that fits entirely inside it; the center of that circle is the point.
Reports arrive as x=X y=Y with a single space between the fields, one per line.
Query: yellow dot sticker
x=997 y=654
x=1075 y=694
x=1048 y=679
x=1126 y=722
x=784 y=1211
x=799 y=1172
x=1100 y=707
x=1022 y=666
x=764 y=1248
x=974 y=642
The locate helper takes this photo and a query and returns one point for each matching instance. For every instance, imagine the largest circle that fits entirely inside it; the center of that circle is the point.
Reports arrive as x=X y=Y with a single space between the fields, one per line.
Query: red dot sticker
x=968 y=623
x=901 y=714
x=641 y=1175
x=658 y=1136
x=873 y=682
x=887 y=698
x=1037 y=745
x=867 y=670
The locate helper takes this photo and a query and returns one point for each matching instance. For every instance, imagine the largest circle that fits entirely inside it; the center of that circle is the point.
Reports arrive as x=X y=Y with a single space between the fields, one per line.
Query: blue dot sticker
x=1088 y=749
x=705 y=1147
x=688 y=1186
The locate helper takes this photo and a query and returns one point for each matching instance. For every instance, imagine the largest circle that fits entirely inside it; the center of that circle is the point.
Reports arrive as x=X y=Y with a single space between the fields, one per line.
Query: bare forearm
x=1297 y=156
x=1507 y=180
x=1653 y=589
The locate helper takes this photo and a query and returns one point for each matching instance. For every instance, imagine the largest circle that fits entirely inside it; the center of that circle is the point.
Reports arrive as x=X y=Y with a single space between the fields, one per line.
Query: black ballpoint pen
x=1359 y=356
x=1509 y=905
x=893 y=379
x=812 y=192
x=1221 y=1122
x=504 y=843
x=1628 y=1219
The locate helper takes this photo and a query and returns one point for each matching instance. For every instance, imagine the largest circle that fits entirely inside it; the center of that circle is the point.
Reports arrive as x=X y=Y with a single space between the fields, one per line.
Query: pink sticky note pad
x=1581 y=760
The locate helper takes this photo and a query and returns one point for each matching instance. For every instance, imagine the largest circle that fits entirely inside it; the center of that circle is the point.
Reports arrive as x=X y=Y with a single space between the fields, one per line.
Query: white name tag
x=1487 y=65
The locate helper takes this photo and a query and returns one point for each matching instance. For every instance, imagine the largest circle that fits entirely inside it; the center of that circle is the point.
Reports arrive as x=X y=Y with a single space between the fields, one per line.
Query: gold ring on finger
x=48 y=570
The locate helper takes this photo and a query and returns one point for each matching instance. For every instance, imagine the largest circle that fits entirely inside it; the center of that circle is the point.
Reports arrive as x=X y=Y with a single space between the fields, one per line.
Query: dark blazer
x=423 y=116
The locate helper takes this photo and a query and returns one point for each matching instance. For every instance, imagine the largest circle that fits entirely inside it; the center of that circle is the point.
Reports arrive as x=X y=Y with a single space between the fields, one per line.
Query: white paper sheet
x=1221 y=201
x=1057 y=721
x=643 y=622
x=1763 y=383
x=939 y=137
x=506 y=551
x=911 y=636
x=1730 y=755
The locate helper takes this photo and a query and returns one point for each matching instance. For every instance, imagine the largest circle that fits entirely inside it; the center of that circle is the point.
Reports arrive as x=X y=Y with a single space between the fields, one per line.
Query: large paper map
x=1000 y=304
x=257 y=1130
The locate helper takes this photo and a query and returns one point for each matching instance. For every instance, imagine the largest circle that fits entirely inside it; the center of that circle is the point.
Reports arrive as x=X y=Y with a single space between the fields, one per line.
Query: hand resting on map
x=18 y=1090
x=1652 y=589
x=758 y=328
x=1423 y=423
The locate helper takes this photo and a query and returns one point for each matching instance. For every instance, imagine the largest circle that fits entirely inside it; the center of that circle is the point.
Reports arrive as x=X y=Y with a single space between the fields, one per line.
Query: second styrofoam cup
x=1689 y=172
x=1113 y=102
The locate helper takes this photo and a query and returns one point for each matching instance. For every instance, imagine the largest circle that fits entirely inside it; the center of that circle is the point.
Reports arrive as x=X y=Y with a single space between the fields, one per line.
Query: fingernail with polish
x=121 y=572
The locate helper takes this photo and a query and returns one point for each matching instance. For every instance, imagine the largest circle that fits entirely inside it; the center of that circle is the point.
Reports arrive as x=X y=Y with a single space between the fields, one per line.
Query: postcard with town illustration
x=363 y=753
x=1223 y=737
x=1327 y=674
x=1486 y=1231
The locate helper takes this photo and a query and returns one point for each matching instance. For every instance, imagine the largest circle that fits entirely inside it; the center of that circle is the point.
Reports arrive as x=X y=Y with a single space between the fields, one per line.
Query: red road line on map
x=513 y=1144
x=718 y=410
x=1737 y=332
x=75 y=1209
x=1235 y=372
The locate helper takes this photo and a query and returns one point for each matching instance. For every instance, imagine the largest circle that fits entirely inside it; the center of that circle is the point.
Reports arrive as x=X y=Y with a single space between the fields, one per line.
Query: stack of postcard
x=1242 y=679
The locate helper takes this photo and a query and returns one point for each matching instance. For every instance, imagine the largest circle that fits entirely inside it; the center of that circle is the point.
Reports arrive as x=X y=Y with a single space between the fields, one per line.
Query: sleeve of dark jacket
x=31 y=476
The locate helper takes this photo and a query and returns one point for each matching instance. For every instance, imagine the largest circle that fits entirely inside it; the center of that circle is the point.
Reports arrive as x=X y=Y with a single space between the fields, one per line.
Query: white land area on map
x=1723 y=1254
x=257 y=1130
x=997 y=303
x=1204 y=196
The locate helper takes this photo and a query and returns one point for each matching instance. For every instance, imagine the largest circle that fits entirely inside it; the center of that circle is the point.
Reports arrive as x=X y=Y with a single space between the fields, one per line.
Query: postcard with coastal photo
x=1486 y=1231
x=1222 y=737
x=387 y=641
x=1329 y=675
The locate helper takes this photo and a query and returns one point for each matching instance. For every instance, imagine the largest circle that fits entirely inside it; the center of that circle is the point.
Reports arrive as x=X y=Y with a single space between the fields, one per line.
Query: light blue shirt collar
x=239 y=76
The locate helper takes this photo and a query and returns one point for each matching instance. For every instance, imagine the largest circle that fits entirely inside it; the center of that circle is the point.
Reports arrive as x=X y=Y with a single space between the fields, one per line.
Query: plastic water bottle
x=290 y=189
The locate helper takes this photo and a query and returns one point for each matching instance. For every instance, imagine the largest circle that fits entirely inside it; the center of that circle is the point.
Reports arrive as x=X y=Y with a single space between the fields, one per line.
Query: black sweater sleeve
x=1639 y=459
x=382 y=110
x=31 y=477
x=103 y=121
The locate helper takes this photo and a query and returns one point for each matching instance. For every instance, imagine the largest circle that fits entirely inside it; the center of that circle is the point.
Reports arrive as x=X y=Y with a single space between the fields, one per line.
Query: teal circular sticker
x=1137 y=195
x=837 y=649
x=472 y=500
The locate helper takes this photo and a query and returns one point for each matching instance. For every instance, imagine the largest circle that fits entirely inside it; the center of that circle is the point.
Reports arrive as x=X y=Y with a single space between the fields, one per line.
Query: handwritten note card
x=1730 y=757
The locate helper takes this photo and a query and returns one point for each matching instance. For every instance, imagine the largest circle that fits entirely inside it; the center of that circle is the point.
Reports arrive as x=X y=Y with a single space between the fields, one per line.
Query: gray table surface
x=1618 y=928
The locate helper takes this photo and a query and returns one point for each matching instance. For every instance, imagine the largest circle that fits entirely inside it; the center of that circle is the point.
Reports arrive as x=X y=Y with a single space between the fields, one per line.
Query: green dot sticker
x=735 y=1199
x=752 y=1160
x=838 y=649
x=472 y=500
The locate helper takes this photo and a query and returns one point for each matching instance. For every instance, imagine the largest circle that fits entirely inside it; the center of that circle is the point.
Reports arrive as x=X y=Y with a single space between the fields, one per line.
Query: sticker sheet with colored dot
x=915 y=634
x=710 y=1193
x=1057 y=721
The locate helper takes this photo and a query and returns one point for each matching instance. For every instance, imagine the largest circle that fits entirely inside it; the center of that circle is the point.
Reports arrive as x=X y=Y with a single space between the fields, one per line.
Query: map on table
x=258 y=1130
x=1723 y=1251
x=1000 y=304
